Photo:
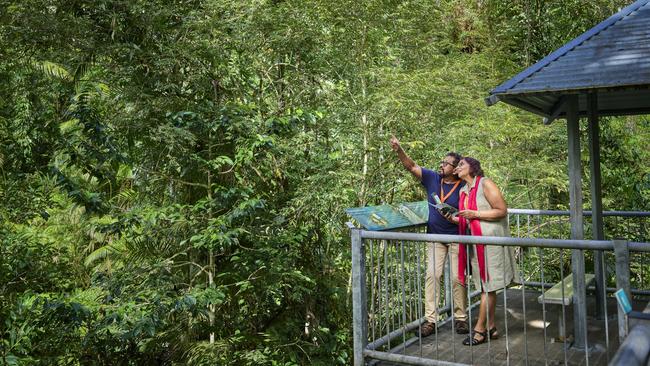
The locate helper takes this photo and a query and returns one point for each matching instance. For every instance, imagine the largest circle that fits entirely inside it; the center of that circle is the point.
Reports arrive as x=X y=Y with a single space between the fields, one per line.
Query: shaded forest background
x=176 y=172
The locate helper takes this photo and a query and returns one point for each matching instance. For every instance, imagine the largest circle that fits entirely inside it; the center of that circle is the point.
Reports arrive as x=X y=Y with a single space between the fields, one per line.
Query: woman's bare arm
x=494 y=197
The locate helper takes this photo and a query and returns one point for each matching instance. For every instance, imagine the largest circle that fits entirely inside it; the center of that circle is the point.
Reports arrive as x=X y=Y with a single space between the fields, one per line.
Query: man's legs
x=436 y=255
x=459 y=291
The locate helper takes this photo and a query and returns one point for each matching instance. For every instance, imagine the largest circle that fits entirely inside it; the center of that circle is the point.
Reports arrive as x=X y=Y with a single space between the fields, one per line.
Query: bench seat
x=554 y=294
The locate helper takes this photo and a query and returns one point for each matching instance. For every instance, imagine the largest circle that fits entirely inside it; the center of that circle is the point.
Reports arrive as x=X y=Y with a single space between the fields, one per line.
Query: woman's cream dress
x=500 y=260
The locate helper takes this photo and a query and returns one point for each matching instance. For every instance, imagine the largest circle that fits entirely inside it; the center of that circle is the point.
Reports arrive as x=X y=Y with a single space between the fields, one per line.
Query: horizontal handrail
x=505 y=241
x=638 y=247
x=592 y=288
x=523 y=211
x=635 y=350
x=416 y=324
x=410 y=360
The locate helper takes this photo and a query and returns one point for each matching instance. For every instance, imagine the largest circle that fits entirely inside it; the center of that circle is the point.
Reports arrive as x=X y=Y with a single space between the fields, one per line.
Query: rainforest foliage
x=174 y=174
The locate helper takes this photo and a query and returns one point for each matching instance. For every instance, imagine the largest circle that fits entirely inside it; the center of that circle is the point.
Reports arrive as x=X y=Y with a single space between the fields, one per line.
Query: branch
x=177 y=180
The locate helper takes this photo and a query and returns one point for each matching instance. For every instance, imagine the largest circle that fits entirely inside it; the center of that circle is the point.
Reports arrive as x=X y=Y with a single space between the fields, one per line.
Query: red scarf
x=475 y=229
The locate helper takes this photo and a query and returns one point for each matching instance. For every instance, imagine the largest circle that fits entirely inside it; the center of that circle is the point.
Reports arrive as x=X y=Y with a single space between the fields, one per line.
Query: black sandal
x=473 y=341
x=493 y=333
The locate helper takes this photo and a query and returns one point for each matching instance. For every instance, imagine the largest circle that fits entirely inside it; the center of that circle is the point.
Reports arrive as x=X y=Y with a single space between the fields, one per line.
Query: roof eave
x=510 y=83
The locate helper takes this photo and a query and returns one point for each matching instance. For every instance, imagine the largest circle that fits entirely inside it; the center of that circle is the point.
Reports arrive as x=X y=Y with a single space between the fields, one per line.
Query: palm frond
x=147 y=247
x=53 y=69
x=125 y=197
x=69 y=126
x=83 y=66
x=103 y=253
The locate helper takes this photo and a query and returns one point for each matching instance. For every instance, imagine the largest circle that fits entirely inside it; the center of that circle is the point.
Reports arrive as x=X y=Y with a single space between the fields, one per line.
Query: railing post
x=622 y=253
x=359 y=307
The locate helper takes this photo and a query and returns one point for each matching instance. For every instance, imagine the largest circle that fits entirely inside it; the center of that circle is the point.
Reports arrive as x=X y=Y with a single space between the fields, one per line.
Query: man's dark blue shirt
x=437 y=224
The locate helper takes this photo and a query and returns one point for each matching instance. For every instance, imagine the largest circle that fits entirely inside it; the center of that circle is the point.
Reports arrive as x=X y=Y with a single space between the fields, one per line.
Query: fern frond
x=99 y=254
x=69 y=126
x=83 y=66
x=102 y=253
x=125 y=197
x=102 y=89
x=53 y=70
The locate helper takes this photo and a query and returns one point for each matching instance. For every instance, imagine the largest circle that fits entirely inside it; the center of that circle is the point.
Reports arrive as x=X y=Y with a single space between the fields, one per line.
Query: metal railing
x=388 y=270
x=635 y=350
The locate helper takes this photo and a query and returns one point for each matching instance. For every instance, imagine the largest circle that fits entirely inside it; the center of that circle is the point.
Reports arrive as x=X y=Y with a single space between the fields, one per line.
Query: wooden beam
x=577 y=230
x=556 y=110
x=575 y=168
x=492 y=100
x=596 y=201
x=524 y=105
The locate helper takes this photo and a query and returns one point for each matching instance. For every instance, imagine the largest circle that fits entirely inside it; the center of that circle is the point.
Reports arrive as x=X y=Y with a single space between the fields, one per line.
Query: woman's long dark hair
x=474 y=166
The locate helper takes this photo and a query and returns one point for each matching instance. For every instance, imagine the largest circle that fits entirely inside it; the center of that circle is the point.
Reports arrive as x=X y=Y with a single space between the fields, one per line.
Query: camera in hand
x=444 y=208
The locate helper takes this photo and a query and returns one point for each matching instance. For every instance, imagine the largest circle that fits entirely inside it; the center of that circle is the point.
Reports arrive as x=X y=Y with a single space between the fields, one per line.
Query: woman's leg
x=480 y=333
x=492 y=305
x=482 y=314
x=488 y=304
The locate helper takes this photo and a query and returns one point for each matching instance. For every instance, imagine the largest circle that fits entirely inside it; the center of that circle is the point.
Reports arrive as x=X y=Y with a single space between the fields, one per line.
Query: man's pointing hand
x=394 y=143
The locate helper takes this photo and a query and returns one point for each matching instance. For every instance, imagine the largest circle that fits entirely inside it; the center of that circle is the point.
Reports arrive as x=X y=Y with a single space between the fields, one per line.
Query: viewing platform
x=527 y=340
x=388 y=274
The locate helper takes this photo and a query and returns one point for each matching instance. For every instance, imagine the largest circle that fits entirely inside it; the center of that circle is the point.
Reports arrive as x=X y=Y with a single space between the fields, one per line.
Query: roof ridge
x=566 y=48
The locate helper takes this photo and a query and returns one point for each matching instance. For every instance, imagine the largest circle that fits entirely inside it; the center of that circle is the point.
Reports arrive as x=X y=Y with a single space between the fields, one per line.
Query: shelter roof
x=611 y=59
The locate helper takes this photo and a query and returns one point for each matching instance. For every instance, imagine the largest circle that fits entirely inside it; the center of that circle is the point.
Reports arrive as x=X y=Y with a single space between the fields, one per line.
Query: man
x=447 y=186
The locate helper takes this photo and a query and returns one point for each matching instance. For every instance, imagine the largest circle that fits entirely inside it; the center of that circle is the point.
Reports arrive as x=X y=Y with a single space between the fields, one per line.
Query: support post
x=596 y=200
x=622 y=253
x=577 y=222
x=359 y=307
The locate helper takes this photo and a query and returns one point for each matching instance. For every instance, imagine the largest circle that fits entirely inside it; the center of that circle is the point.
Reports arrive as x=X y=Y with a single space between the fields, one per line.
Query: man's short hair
x=457 y=157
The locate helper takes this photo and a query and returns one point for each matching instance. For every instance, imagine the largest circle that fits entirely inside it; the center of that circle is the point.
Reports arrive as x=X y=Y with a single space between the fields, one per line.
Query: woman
x=483 y=212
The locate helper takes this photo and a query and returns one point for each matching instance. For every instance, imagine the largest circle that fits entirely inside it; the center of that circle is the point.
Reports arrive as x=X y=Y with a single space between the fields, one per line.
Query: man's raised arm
x=406 y=160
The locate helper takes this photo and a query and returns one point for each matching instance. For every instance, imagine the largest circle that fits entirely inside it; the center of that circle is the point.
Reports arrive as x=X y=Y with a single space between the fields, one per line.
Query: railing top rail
x=635 y=349
x=638 y=246
x=523 y=211
x=506 y=241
